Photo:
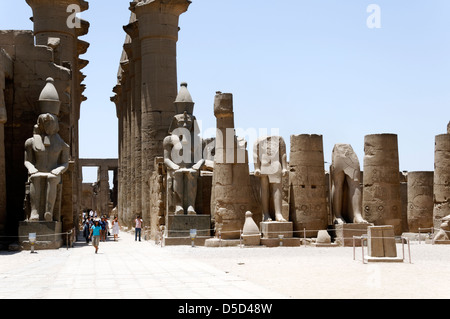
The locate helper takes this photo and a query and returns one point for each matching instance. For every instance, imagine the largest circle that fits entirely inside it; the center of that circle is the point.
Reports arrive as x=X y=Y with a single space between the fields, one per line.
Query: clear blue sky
x=302 y=66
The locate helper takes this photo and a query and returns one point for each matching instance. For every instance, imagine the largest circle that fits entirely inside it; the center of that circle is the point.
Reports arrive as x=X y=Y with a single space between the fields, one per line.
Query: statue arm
x=199 y=165
x=29 y=157
x=167 y=154
x=63 y=160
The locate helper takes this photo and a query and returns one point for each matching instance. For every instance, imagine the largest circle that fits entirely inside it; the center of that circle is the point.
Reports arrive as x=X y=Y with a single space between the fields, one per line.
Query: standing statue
x=46 y=156
x=270 y=159
x=345 y=186
x=183 y=155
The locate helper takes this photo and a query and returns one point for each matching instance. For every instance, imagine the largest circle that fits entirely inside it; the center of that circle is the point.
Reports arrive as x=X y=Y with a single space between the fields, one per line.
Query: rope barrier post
x=409 y=251
x=362 y=248
x=67 y=241
x=220 y=238
x=281 y=237
x=240 y=238
x=354 y=248
x=403 y=248
x=304 y=236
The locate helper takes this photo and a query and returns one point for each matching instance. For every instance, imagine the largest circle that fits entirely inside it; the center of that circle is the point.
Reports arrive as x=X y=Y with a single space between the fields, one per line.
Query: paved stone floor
x=121 y=270
x=131 y=270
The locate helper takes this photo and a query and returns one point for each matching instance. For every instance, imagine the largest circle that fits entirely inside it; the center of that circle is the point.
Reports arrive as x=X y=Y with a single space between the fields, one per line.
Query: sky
x=293 y=67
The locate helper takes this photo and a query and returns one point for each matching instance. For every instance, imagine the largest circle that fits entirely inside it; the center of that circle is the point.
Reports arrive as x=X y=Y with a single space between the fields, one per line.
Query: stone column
x=126 y=144
x=117 y=99
x=381 y=192
x=132 y=30
x=3 y=119
x=232 y=194
x=158 y=34
x=309 y=196
x=132 y=115
x=420 y=200
x=441 y=179
x=103 y=178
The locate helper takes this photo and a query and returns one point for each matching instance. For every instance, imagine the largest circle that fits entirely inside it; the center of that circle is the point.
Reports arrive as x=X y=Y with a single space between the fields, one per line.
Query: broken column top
x=448 y=128
x=223 y=104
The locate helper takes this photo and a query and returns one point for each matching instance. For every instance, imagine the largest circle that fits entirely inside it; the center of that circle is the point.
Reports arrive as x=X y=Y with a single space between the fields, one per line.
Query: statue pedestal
x=271 y=232
x=178 y=228
x=48 y=235
x=345 y=233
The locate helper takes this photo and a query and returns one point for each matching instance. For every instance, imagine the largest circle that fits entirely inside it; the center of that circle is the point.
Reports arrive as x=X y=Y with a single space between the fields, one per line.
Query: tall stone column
x=158 y=35
x=420 y=200
x=441 y=178
x=382 y=203
x=3 y=119
x=132 y=30
x=117 y=99
x=308 y=188
x=103 y=178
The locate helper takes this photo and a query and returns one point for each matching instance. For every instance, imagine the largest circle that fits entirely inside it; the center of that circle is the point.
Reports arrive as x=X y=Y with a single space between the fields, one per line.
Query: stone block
x=381 y=241
x=216 y=242
x=251 y=240
x=184 y=241
x=181 y=225
x=345 y=233
x=276 y=242
x=48 y=235
x=273 y=229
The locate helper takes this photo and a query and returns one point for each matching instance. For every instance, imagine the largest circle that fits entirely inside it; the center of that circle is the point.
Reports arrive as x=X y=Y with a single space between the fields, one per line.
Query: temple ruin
x=165 y=172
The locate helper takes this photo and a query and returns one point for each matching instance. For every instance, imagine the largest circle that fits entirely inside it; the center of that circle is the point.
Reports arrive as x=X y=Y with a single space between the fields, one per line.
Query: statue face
x=185 y=121
x=48 y=124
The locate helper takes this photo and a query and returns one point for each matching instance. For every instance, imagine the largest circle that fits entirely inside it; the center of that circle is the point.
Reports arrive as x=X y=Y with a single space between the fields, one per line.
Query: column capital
x=84 y=5
x=132 y=29
x=176 y=7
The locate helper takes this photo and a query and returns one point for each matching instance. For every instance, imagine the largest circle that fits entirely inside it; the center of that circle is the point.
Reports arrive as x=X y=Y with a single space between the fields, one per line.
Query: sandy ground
x=311 y=272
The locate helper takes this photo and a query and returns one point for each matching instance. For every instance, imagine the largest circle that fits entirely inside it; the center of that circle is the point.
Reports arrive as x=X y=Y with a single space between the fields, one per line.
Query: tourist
x=138 y=228
x=95 y=234
x=103 y=230
x=115 y=227
x=86 y=230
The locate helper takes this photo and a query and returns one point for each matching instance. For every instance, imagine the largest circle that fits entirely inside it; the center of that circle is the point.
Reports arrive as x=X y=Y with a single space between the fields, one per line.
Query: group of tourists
x=98 y=229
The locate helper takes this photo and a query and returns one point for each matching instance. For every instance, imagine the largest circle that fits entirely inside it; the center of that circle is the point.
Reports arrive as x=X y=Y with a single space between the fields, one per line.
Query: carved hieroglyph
x=346 y=193
x=46 y=156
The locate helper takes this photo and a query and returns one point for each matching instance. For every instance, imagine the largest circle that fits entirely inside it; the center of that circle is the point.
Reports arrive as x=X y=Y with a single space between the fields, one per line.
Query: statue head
x=47 y=124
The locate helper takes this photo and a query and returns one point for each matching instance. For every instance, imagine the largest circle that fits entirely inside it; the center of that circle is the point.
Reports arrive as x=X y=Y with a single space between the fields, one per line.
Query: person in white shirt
x=138 y=228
